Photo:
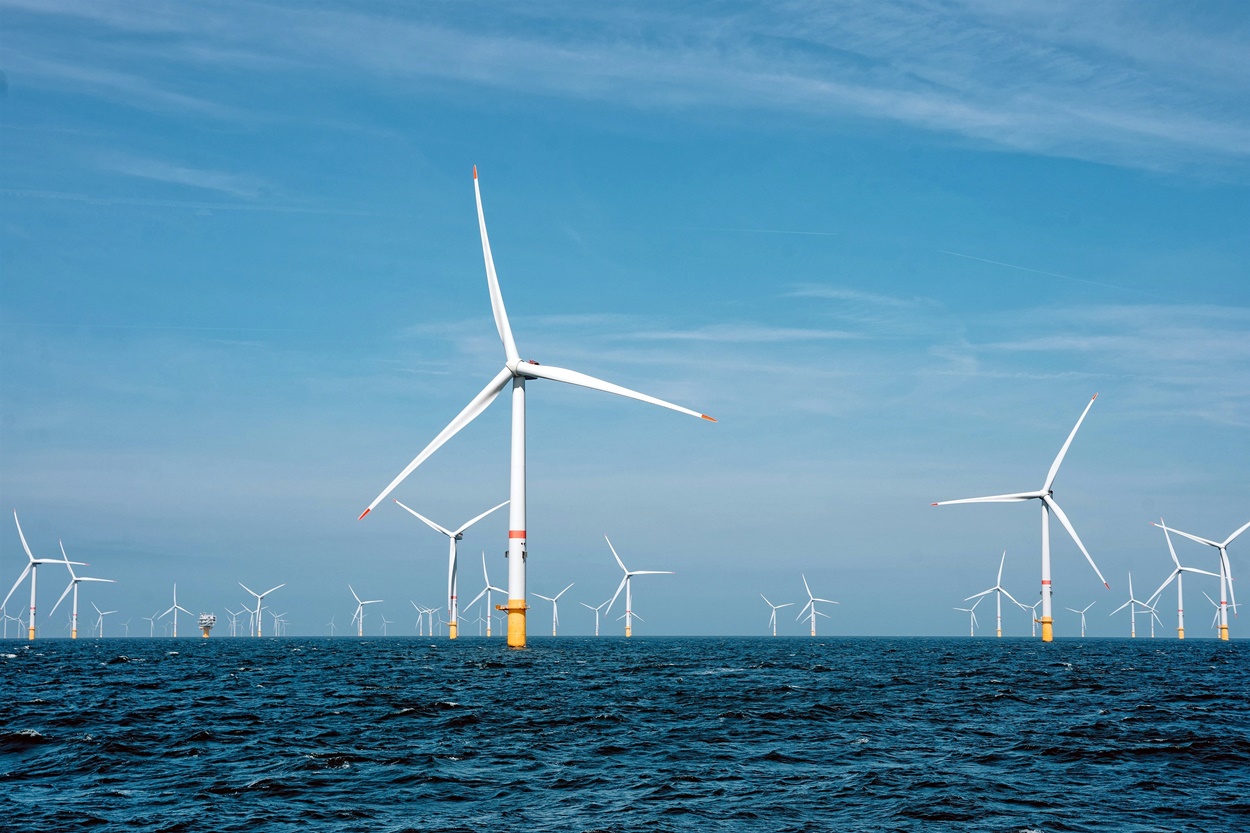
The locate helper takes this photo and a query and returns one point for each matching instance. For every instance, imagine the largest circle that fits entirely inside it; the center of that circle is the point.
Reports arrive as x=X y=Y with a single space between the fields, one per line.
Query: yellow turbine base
x=73 y=634
x=1180 y=633
x=1000 y=633
x=205 y=630
x=628 y=631
x=1048 y=630
x=488 y=633
x=453 y=629
x=1223 y=632
x=31 y=635
x=516 y=622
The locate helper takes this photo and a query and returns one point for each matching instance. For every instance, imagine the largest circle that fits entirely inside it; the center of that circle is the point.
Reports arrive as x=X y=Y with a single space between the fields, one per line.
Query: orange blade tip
x=933 y=504
x=366 y=512
x=708 y=418
x=1095 y=396
x=475 y=171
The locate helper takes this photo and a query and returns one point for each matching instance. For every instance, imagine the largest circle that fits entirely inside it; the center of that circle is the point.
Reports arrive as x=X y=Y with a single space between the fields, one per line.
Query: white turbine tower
x=1179 y=575
x=596 y=609
x=1046 y=497
x=32 y=567
x=359 y=616
x=453 y=608
x=772 y=617
x=174 y=610
x=73 y=585
x=810 y=608
x=555 y=610
x=486 y=591
x=257 y=619
x=516 y=371
x=1082 y=612
x=99 y=623
x=627 y=585
x=1226 y=573
x=999 y=591
x=972 y=616
x=1132 y=604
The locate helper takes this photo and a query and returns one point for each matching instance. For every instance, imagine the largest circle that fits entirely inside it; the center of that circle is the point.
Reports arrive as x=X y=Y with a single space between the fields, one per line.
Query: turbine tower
x=772 y=617
x=1082 y=612
x=596 y=609
x=32 y=567
x=627 y=586
x=174 y=610
x=555 y=609
x=453 y=608
x=73 y=585
x=257 y=619
x=810 y=607
x=999 y=591
x=516 y=371
x=1046 y=497
x=359 y=616
x=1134 y=602
x=1179 y=575
x=972 y=617
x=1226 y=574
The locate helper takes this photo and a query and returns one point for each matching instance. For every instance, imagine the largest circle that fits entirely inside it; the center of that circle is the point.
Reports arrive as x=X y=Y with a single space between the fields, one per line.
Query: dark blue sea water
x=584 y=734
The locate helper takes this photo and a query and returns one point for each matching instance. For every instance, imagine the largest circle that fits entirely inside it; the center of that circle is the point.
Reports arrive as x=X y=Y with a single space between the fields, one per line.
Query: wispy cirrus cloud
x=242 y=186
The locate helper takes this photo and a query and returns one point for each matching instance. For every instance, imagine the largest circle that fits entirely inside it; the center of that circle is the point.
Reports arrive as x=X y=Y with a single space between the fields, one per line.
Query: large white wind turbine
x=1178 y=575
x=1082 y=612
x=174 y=610
x=453 y=607
x=627 y=585
x=73 y=585
x=972 y=616
x=359 y=616
x=1046 y=497
x=999 y=591
x=516 y=371
x=257 y=619
x=555 y=609
x=1132 y=604
x=772 y=617
x=32 y=567
x=1226 y=573
x=486 y=591
x=596 y=609
x=809 y=609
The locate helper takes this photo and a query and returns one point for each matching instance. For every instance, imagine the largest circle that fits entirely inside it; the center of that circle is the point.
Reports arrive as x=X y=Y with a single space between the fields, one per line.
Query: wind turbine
x=596 y=609
x=152 y=624
x=1226 y=573
x=174 y=610
x=772 y=617
x=32 y=567
x=234 y=619
x=1179 y=575
x=626 y=584
x=257 y=619
x=1215 y=621
x=486 y=591
x=516 y=371
x=331 y=625
x=385 y=622
x=810 y=607
x=1047 y=499
x=73 y=585
x=1082 y=612
x=359 y=616
x=126 y=625
x=972 y=616
x=555 y=611
x=1032 y=609
x=99 y=623
x=999 y=591
x=453 y=608
x=1133 y=601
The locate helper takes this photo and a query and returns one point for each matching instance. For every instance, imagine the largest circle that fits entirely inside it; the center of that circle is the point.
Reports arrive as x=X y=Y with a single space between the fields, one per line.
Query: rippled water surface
x=582 y=734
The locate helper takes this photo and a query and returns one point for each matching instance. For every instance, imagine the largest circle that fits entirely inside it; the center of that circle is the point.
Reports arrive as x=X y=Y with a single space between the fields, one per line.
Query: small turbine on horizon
x=772 y=617
x=555 y=610
x=627 y=585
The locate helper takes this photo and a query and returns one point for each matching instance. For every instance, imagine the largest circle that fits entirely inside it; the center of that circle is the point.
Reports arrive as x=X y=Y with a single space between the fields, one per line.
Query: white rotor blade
x=1121 y=607
x=1187 y=535
x=803 y=612
x=354 y=596
x=20 y=579
x=1171 y=549
x=651 y=573
x=1054 y=467
x=1012 y=498
x=1008 y=595
x=468 y=524
x=475 y=598
x=1000 y=568
x=766 y=601
x=471 y=411
x=806 y=587
x=427 y=521
x=1164 y=586
x=619 y=588
x=572 y=377
x=68 y=588
x=826 y=601
x=21 y=535
x=979 y=595
x=1230 y=538
x=617 y=557
x=1063 y=519
x=541 y=596
x=827 y=616
x=492 y=280
x=1228 y=572
x=787 y=604
x=271 y=589
x=565 y=590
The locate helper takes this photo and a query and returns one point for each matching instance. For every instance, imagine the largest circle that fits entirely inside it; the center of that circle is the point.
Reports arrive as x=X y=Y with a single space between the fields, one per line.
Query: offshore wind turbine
x=174 y=610
x=1179 y=575
x=1046 y=497
x=810 y=607
x=32 y=567
x=772 y=617
x=1082 y=612
x=99 y=623
x=627 y=585
x=359 y=616
x=555 y=610
x=972 y=616
x=999 y=591
x=1133 y=601
x=596 y=609
x=1226 y=573
x=257 y=619
x=517 y=372
x=453 y=608
x=486 y=591
x=73 y=585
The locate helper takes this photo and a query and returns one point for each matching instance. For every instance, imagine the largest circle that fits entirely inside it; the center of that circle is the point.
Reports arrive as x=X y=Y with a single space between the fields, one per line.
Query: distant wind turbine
x=972 y=616
x=516 y=371
x=1178 y=575
x=1132 y=603
x=73 y=585
x=1226 y=573
x=257 y=619
x=596 y=609
x=486 y=591
x=99 y=623
x=32 y=567
x=809 y=609
x=359 y=616
x=1082 y=612
x=626 y=585
x=772 y=617
x=1046 y=497
x=174 y=608
x=555 y=610
x=999 y=591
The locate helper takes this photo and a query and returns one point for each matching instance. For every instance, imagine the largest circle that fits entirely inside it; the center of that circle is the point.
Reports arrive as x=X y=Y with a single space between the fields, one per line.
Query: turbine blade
x=1228 y=571
x=1008 y=595
x=271 y=589
x=492 y=280
x=1000 y=569
x=20 y=579
x=617 y=557
x=21 y=535
x=1190 y=537
x=468 y=524
x=979 y=595
x=572 y=377
x=619 y=588
x=1171 y=549
x=427 y=521
x=354 y=596
x=766 y=601
x=1011 y=498
x=806 y=586
x=1063 y=519
x=651 y=573
x=475 y=599
x=1230 y=538
x=248 y=589
x=65 y=593
x=471 y=411
x=565 y=590
x=1054 y=467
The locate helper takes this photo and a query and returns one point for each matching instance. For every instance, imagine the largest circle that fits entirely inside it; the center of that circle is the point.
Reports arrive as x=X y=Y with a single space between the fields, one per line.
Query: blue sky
x=893 y=248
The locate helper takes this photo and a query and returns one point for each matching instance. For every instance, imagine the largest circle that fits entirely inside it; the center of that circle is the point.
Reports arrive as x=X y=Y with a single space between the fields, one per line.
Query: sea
x=609 y=734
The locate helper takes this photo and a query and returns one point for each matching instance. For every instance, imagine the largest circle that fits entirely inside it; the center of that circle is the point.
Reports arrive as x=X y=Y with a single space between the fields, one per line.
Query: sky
x=894 y=248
